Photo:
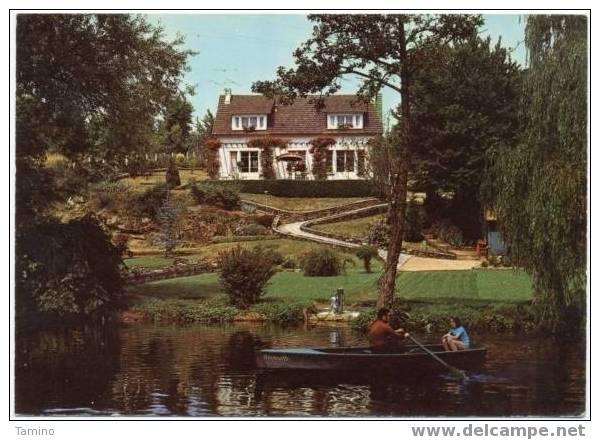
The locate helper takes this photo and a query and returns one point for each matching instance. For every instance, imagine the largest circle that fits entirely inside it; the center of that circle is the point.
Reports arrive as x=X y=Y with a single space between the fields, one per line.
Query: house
x=245 y=124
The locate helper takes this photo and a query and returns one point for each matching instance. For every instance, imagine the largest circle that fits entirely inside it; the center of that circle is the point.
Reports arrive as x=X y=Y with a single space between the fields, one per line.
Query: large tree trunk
x=398 y=185
x=395 y=218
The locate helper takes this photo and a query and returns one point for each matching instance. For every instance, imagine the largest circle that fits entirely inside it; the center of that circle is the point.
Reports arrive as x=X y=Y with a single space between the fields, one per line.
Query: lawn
x=479 y=286
x=354 y=229
x=299 y=203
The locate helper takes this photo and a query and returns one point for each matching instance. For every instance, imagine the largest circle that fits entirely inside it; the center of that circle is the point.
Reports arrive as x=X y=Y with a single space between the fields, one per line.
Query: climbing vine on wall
x=212 y=146
x=267 y=145
x=319 y=149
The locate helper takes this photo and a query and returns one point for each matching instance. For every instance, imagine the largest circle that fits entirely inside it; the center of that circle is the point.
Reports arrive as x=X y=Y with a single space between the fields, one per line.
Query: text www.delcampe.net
x=487 y=430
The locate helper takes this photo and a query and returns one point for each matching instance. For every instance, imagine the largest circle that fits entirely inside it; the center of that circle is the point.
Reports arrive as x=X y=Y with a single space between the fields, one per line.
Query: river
x=199 y=371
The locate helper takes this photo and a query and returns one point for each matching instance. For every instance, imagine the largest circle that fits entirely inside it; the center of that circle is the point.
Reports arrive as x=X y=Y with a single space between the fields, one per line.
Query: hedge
x=304 y=188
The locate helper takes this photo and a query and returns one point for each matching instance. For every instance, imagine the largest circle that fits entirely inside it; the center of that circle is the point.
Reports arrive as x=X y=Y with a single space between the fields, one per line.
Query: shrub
x=137 y=166
x=378 y=233
x=251 y=229
x=272 y=254
x=304 y=188
x=172 y=176
x=281 y=313
x=248 y=209
x=448 y=232
x=413 y=224
x=265 y=220
x=244 y=274
x=216 y=195
x=149 y=203
x=366 y=254
x=363 y=321
x=186 y=311
x=321 y=263
x=106 y=195
x=241 y=238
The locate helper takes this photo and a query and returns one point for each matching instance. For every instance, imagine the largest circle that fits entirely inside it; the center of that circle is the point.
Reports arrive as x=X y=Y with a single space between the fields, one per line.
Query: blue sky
x=235 y=50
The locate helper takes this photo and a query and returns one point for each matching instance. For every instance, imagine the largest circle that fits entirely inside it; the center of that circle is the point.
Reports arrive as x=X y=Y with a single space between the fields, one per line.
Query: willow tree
x=381 y=51
x=539 y=184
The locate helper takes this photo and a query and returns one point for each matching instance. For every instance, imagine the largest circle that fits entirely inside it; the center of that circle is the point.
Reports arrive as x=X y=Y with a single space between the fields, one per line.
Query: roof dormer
x=339 y=121
x=248 y=122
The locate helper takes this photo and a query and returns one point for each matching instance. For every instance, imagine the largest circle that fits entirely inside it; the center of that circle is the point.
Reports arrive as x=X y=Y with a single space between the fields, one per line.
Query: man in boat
x=383 y=338
x=457 y=338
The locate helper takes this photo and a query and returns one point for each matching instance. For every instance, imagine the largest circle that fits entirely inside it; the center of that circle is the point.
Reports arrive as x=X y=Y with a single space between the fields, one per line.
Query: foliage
x=304 y=188
x=241 y=238
x=319 y=149
x=538 y=185
x=464 y=101
x=177 y=124
x=448 y=232
x=289 y=263
x=172 y=175
x=414 y=222
x=186 y=311
x=224 y=196
x=267 y=144
x=271 y=253
x=244 y=274
x=87 y=85
x=265 y=220
x=168 y=217
x=74 y=275
x=321 y=263
x=378 y=233
x=149 y=203
x=281 y=313
x=109 y=195
x=137 y=166
x=366 y=254
x=211 y=155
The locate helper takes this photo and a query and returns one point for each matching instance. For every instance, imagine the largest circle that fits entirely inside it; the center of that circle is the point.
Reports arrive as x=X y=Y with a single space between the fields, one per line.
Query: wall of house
x=232 y=147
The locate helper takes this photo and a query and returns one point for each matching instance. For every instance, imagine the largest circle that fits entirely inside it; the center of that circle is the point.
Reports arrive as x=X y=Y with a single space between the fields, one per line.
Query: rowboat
x=413 y=359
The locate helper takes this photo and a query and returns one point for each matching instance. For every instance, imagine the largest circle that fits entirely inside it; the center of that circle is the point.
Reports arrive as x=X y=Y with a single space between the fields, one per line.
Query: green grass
x=299 y=203
x=443 y=287
x=354 y=229
x=487 y=285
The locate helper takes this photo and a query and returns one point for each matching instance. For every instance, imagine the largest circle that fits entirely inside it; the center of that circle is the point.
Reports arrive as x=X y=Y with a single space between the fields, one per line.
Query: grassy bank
x=299 y=203
x=488 y=300
x=355 y=229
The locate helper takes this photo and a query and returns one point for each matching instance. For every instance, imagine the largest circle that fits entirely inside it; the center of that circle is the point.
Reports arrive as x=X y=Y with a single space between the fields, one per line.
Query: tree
x=177 y=125
x=538 y=185
x=465 y=100
x=168 y=217
x=383 y=51
x=83 y=82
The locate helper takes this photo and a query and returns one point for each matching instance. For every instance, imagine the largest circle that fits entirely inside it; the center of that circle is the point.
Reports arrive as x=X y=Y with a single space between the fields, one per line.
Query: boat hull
x=361 y=359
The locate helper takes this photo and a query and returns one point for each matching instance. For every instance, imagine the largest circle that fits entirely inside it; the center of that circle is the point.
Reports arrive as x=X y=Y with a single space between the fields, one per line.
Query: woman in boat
x=457 y=338
x=383 y=338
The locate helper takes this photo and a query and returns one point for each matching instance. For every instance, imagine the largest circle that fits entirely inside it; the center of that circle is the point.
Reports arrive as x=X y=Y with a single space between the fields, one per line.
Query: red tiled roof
x=298 y=118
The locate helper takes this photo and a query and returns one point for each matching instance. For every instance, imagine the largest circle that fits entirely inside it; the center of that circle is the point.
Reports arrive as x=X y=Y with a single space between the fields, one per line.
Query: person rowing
x=383 y=338
x=457 y=337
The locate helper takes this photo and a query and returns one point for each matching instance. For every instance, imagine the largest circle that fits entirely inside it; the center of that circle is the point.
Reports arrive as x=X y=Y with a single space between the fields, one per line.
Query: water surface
x=156 y=370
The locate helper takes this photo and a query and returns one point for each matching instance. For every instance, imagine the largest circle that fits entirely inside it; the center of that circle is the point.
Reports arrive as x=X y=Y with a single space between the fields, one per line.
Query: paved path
x=294 y=230
x=406 y=263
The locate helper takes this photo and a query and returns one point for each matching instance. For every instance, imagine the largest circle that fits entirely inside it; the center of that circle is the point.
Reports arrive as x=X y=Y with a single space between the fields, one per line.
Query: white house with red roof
x=343 y=118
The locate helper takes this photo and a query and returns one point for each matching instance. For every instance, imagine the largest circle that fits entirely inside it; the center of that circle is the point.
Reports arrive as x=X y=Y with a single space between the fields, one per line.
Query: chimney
x=227 y=96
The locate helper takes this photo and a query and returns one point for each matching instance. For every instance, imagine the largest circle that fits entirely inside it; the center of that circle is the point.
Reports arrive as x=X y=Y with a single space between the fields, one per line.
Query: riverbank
x=487 y=300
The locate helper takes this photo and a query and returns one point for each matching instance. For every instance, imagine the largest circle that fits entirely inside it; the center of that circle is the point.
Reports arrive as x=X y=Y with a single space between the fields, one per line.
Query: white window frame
x=356 y=119
x=250 y=153
x=237 y=122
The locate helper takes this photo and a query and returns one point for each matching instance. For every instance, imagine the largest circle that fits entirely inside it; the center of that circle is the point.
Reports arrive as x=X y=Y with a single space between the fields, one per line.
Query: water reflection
x=210 y=370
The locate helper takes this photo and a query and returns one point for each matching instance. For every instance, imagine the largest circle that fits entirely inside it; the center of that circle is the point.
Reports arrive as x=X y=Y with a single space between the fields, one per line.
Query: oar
x=437 y=358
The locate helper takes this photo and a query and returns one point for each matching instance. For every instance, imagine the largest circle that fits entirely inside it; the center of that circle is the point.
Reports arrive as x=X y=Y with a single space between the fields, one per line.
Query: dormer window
x=345 y=121
x=249 y=122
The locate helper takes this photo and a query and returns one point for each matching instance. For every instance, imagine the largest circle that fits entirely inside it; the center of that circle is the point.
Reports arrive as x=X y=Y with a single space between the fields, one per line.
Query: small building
x=244 y=124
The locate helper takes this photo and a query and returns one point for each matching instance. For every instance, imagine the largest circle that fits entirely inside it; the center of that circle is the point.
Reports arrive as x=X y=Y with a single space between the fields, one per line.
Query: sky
x=234 y=50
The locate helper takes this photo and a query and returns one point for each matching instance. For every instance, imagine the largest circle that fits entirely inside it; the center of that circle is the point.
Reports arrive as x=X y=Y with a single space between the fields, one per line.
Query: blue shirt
x=462 y=335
